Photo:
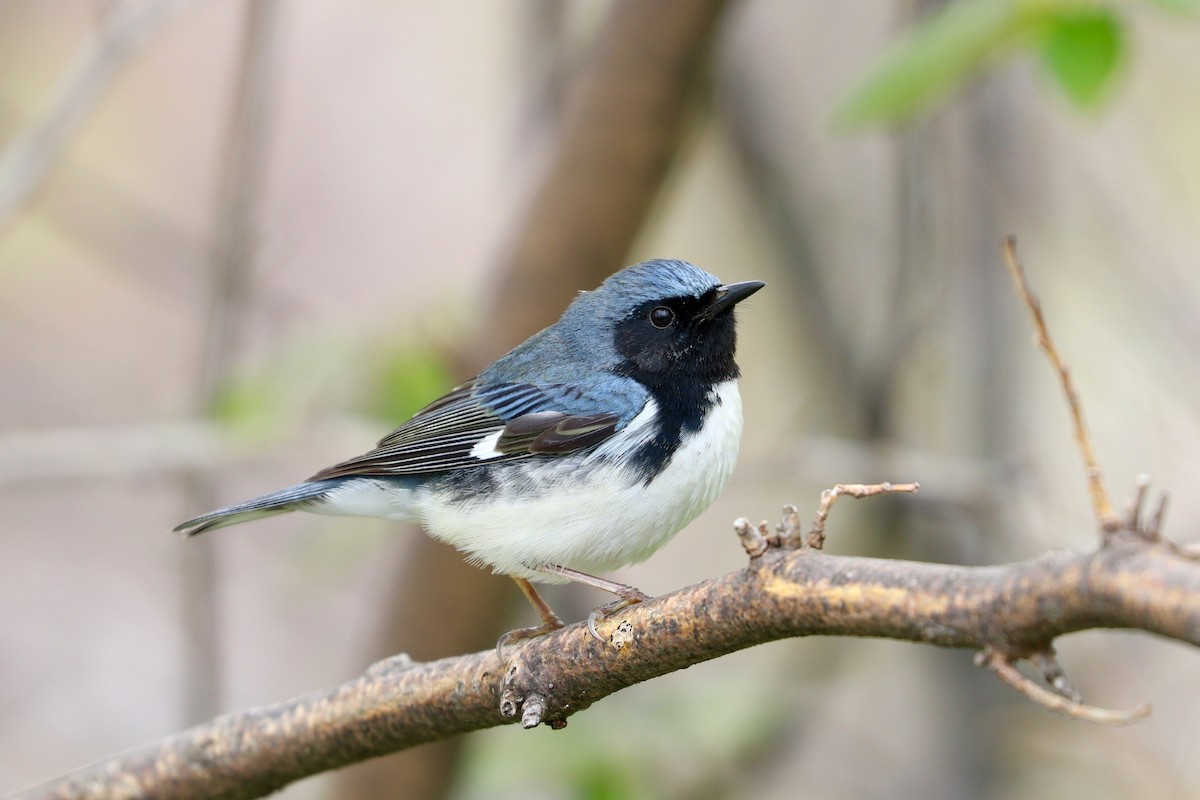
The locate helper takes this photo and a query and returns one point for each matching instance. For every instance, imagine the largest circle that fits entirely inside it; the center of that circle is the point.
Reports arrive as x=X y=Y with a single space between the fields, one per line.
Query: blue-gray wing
x=474 y=424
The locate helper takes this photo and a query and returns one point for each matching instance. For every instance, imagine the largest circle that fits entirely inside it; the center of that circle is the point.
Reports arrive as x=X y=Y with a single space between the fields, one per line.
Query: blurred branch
x=1014 y=610
x=91 y=452
x=27 y=160
x=624 y=124
x=625 y=116
x=946 y=479
x=776 y=205
x=238 y=198
x=96 y=452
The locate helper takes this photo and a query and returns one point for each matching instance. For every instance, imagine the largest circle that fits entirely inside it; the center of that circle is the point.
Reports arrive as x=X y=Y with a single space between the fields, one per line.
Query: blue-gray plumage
x=583 y=449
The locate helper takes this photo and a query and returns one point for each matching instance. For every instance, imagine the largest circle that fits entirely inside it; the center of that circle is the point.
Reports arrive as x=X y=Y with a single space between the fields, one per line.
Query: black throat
x=680 y=372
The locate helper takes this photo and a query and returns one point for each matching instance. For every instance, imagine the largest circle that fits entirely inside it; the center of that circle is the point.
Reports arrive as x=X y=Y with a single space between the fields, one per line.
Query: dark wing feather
x=442 y=436
x=572 y=433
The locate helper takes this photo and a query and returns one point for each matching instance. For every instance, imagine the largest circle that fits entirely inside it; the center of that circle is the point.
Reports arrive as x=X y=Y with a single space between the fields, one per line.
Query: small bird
x=583 y=449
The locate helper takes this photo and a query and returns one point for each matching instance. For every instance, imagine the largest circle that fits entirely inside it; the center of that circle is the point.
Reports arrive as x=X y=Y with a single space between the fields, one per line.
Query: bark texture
x=1014 y=610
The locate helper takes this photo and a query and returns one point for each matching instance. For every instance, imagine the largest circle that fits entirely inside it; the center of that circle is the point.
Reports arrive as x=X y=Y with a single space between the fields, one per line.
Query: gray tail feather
x=292 y=498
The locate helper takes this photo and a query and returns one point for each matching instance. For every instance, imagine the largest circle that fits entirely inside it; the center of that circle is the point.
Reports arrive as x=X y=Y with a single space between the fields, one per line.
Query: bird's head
x=662 y=319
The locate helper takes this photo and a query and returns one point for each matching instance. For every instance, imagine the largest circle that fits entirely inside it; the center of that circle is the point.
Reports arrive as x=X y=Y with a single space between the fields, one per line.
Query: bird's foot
x=521 y=634
x=628 y=597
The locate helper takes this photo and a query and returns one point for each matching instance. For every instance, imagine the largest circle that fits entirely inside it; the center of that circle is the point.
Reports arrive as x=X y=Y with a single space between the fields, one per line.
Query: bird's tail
x=292 y=498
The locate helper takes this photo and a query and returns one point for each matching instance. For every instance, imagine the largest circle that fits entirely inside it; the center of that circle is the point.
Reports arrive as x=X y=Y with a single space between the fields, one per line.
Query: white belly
x=598 y=522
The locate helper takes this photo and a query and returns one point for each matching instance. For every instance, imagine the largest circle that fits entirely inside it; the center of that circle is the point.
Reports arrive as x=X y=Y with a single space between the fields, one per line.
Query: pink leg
x=550 y=620
x=627 y=595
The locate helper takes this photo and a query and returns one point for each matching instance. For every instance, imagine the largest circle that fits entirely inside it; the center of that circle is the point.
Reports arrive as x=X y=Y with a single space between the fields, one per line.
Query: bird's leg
x=627 y=595
x=550 y=620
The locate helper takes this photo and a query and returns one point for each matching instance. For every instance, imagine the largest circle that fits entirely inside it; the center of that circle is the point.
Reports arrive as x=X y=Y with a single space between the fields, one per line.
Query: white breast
x=596 y=520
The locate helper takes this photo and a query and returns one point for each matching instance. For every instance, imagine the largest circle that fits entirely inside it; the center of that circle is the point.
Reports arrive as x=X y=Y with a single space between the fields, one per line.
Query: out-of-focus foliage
x=272 y=395
x=392 y=381
x=251 y=404
x=675 y=749
x=406 y=378
x=1083 y=53
x=932 y=60
x=1082 y=48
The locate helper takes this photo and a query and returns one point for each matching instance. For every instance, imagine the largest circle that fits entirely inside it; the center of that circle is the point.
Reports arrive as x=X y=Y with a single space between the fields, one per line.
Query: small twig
x=532 y=710
x=1133 y=509
x=1055 y=675
x=816 y=534
x=753 y=542
x=31 y=153
x=1190 y=551
x=1101 y=503
x=1005 y=669
x=1154 y=525
x=788 y=528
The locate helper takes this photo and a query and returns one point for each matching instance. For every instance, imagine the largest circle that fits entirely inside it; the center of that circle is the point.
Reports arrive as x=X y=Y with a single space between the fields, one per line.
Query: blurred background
x=240 y=241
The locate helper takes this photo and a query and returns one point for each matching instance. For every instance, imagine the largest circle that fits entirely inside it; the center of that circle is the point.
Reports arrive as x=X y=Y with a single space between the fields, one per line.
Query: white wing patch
x=485 y=448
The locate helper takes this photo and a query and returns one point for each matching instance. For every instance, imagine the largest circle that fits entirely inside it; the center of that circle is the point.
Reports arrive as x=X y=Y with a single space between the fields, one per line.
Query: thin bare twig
x=1005 y=669
x=1101 y=503
x=788 y=529
x=27 y=160
x=816 y=534
x=1155 y=523
x=757 y=540
x=1133 y=509
x=751 y=538
x=1047 y=663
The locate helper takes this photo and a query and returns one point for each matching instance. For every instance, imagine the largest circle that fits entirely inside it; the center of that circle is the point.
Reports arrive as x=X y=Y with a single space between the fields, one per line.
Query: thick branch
x=1015 y=610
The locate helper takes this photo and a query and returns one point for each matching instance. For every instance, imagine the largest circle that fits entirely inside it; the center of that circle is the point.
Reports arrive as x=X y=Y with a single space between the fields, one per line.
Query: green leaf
x=937 y=56
x=249 y=406
x=406 y=379
x=1082 y=52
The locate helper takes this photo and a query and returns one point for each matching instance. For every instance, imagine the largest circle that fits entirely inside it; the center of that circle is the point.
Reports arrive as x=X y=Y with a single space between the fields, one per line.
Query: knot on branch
x=527 y=695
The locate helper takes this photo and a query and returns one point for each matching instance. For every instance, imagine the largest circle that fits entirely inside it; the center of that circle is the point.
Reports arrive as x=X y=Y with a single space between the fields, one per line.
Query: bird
x=582 y=450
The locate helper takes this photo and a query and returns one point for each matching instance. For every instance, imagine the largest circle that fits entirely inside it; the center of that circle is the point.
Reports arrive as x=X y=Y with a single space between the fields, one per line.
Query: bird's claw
x=633 y=597
x=520 y=634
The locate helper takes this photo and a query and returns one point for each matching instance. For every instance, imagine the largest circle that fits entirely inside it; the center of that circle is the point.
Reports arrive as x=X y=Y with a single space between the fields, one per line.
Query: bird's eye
x=661 y=317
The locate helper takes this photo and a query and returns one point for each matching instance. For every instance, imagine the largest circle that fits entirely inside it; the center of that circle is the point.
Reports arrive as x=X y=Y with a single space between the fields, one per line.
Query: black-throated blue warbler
x=583 y=449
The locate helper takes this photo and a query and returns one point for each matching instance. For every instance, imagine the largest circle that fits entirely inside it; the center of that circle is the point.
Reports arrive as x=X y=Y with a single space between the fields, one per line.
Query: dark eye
x=661 y=317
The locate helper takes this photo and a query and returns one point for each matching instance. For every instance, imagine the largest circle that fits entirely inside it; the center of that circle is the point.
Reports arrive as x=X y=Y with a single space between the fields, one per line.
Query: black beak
x=730 y=295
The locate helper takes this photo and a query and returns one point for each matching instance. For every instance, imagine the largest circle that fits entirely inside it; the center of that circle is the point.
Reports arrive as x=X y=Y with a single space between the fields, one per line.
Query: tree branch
x=1063 y=699
x=1008 y=612
x=1102 y=506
